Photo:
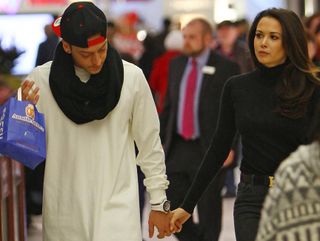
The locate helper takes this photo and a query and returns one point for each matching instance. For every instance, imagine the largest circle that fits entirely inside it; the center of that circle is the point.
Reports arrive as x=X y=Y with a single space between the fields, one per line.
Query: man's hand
x=29 y=91
x=179 y=216
x=230 y=159
x=161 y=221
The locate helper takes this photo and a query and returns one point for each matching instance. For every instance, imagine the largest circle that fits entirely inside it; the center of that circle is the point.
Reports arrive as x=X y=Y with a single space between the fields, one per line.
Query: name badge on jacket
x=208 y=70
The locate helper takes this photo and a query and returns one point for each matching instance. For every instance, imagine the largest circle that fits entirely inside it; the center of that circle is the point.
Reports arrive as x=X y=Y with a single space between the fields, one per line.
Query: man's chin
x=190 y=53
x=94 y=71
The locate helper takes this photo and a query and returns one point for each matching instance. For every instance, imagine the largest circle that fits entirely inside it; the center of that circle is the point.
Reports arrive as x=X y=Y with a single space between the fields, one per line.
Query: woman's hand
x=29 y=91
x=179 y=217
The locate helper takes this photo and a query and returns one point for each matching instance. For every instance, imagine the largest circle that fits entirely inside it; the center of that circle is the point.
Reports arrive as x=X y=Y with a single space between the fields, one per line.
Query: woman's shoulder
x=243 y=79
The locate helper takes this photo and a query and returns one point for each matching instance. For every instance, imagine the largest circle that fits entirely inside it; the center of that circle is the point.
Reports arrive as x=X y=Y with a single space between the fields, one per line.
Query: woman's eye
x=259 y=35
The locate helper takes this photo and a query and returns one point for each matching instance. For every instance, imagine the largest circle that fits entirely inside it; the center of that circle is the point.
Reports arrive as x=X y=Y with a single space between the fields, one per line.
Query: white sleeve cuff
x=157 y=196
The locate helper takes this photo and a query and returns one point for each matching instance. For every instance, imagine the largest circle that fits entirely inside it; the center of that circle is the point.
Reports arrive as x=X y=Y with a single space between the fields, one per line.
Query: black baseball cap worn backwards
x=79 y=22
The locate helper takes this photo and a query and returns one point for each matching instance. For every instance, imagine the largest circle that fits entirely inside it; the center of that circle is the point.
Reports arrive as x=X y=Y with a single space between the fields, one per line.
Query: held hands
x=167 y=223
x=29 y=91
x=179 y=216
x=160 y=220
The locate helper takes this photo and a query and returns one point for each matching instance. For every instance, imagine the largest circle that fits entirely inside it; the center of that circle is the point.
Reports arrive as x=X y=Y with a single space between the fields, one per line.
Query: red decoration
x=49 y=2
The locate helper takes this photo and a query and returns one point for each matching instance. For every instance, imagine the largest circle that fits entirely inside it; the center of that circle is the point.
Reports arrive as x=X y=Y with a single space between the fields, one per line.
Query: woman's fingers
x=179 y=216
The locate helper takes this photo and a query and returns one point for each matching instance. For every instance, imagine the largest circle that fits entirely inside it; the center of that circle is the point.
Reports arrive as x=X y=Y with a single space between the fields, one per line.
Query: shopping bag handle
x=19 y=94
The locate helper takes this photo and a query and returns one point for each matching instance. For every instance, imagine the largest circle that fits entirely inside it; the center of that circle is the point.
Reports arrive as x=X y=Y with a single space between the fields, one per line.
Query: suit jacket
x=210 y=92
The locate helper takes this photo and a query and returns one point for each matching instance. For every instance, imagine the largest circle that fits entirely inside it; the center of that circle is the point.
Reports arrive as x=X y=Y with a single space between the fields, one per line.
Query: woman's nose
x=264 y=42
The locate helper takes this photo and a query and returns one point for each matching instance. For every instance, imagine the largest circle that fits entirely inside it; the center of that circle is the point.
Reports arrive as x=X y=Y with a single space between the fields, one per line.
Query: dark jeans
x=247 y=210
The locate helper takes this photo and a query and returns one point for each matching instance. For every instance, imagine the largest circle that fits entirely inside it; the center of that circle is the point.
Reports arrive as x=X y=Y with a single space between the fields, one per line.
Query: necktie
x=188 y=108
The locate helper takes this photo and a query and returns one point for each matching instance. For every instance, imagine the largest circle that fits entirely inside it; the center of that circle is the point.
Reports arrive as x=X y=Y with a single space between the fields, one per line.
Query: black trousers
x=182 y=164
x=247 y=210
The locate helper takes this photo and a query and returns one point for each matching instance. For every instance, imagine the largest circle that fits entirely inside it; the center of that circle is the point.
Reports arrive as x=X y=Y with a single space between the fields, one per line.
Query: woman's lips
x=262 y=53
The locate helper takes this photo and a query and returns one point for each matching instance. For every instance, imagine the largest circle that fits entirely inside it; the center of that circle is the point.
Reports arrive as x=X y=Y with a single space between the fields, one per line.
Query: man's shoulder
x=133 y=74
x=44 y=67
x=41 y=70
x=180 y=59
x=217 y=58
x=127 y=66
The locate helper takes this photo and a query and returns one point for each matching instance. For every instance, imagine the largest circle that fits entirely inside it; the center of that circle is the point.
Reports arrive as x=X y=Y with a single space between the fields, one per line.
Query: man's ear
x=66 y=46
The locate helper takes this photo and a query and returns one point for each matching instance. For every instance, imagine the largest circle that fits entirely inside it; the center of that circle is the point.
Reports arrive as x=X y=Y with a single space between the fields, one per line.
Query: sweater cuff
x=157 y=196
x=188 y=207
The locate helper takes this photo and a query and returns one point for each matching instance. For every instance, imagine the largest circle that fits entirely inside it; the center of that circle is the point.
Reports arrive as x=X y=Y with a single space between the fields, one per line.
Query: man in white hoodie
x=96 y=107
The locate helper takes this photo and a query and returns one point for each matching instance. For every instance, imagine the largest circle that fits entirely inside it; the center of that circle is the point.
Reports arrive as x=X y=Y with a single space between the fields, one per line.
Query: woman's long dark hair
x=300 y=79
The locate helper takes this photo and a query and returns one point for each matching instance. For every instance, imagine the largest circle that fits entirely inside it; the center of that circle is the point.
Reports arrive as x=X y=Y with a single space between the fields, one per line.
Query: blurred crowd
x=153 y=52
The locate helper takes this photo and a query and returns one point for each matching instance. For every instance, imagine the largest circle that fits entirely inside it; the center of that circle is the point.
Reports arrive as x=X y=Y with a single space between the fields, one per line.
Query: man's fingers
x=176 y=227
x=36 y=91
x=151 y=230
x=30 y=92
x=36 y=99
x=173 y=224
x=161 y=234
x=25 y=83
x=178 y=230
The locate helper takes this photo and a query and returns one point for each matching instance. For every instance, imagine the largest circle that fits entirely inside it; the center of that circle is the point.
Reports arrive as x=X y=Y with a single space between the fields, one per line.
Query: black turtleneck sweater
x=247 y=105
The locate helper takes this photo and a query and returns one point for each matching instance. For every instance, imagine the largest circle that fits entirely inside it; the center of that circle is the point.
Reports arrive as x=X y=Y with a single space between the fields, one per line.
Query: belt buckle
x=271 y=181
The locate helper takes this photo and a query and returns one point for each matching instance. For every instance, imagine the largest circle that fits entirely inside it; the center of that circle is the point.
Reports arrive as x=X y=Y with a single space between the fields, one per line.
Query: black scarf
x=85 y=102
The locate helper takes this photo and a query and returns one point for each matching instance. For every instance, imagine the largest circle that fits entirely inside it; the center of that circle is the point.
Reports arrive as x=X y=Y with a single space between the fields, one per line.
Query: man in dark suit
x=188 y=121
x=47 y=48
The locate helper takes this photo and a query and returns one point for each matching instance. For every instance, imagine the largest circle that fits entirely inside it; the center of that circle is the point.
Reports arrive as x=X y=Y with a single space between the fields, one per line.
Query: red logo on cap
x=56 y=26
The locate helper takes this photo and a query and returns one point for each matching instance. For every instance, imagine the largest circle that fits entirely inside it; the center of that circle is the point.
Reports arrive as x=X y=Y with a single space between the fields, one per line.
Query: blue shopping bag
x=22 y=132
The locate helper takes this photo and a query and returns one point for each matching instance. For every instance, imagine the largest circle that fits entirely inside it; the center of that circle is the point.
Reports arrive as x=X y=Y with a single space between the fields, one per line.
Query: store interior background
x=21 y=26
x=22 y=21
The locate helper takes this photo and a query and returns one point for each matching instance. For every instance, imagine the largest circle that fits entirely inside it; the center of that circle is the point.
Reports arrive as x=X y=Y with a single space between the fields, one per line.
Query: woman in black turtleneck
x=270 y=107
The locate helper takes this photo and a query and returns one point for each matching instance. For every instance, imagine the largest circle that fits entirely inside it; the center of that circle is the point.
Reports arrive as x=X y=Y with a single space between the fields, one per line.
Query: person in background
x=96 y=108
x=46 y=48
x=230 y=46
x=242 y=26
x=312 y=47
x=161 y=36
x=158 y=79
x=312 y=22
x=125 y=39
x=111 y=31
x=271 y=107
x=150 y=53
x=312 y=25
x=188 y=120
x=291 y=209
x=317 y=41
